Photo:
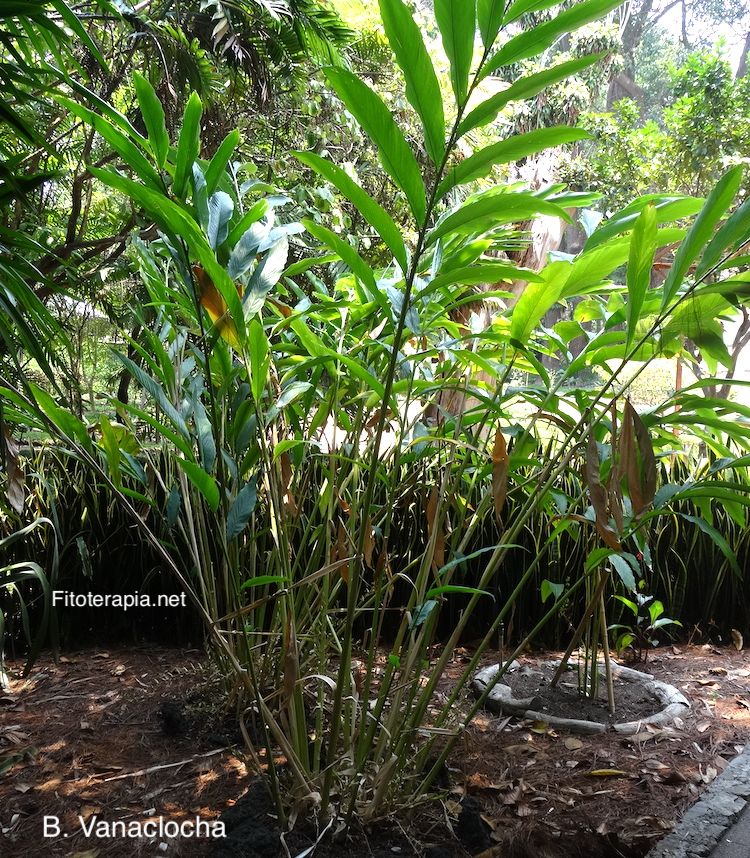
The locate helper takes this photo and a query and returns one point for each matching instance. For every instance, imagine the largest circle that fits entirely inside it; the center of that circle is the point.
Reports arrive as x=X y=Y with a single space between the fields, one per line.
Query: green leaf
x=175 y=220
x=423 y=612
x=493 y=210
x=667 y=209
x=536 y=299
x=624 y=570
x=456 y=588
x=251 y=216
x=549 y=588
x=63 y=419
x=422 y=87
x=456 y=20
x=525 y=7
x=352 y=259
x=188 y=146
x=260 y=358
x=265 y=276
x=220 y=211
x=218 y=164
x=530 y=43
x=263 y=581
x=72 y=21
x=700 y=232
x=640 y=261
x=372 y=211
x=717 y=539
x=490 y=18
x=153 y=116
x=152 y=387
x=732 y=235
x=125 y=148
x=203 y=481
x=377 y=122
x=525 y=87
x=506 y=151
x=241 y=509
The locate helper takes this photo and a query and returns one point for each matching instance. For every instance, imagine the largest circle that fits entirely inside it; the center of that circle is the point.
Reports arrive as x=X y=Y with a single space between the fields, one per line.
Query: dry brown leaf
x=500 y=469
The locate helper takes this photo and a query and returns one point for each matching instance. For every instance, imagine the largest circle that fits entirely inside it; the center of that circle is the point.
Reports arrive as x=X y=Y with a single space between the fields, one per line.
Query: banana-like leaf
x=123 y=145
x=489 y=19
x=188 y=145
x=484 y=214
x=702 y=230
x=153 y=116
x=218 y=164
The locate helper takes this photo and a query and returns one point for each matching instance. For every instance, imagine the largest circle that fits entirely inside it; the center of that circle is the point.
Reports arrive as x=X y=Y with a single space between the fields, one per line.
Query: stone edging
x=501 y=699
x=706 y=822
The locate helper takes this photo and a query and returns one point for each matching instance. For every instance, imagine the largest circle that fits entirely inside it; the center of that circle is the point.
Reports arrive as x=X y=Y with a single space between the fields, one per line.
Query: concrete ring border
x=674 y=703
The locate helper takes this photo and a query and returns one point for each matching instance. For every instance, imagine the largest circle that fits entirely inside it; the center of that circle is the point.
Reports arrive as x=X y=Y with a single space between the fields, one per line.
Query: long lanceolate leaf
x=188 y=147
x=370 y=210
x=490 y=18
x=456 y=20
x=395 y=153
x=642 y=249
x=700 y=233
x=422 y=87
x=489 y=212
x=532 y=42
x=514 y=149
x=523 y=88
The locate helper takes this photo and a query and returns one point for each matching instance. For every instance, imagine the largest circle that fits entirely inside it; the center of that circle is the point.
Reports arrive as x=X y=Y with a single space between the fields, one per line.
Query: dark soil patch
x=135 y=733
x=632 y=699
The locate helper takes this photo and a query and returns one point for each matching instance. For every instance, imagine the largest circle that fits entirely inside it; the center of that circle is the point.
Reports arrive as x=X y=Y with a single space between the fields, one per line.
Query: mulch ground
x=135 y=733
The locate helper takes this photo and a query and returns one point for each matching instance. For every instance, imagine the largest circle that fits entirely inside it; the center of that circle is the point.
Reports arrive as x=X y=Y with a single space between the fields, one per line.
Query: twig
x=166 y=766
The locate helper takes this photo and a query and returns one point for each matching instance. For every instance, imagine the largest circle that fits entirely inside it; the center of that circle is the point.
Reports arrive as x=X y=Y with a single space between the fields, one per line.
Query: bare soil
x=132 y=733
x=632 y=699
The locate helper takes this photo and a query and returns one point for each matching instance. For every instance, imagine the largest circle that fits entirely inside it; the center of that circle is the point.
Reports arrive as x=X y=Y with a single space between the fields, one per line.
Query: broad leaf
x=241 y=509
x=220 y=211
x=732 y=235
x=218 y=164
x=123 y=145
x=203 y=481
x=490 y=19
x=484 y=214
x=525 y=87
x=716 y=204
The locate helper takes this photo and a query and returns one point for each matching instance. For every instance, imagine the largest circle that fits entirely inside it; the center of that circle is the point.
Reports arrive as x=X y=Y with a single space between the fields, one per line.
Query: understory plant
x=293 y=434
